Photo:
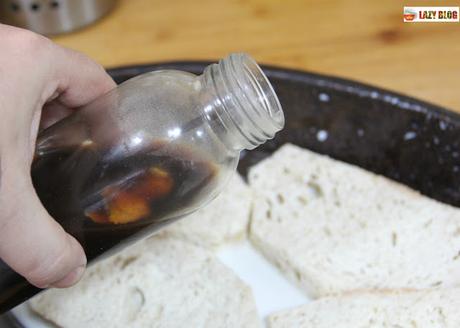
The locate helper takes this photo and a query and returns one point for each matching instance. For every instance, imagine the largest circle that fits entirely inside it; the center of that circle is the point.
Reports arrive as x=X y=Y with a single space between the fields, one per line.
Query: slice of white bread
x=162 y=282
x=223 y=220
x=424 y=309
x=333 y=227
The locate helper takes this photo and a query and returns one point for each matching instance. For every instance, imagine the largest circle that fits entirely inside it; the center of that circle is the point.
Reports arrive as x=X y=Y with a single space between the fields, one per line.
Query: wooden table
x=361 y=40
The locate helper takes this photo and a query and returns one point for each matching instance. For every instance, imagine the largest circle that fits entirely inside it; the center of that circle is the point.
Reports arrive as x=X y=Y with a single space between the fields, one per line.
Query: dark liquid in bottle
x=103 y=200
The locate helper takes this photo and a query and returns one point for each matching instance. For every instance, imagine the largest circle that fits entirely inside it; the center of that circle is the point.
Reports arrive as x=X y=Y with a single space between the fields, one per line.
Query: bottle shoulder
x=166 y=80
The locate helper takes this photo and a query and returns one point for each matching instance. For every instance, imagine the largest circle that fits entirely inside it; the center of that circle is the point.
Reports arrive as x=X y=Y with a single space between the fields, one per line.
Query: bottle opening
x=264 y=92
x=251 y=109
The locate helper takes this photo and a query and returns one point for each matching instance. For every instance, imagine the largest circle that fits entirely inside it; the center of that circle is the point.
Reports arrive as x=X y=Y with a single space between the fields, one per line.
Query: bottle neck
x=241 y=103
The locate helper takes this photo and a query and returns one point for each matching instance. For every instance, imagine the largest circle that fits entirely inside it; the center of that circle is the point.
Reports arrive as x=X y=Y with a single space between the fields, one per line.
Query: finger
x=43 y=65
x=31 y=242
x=79 y=79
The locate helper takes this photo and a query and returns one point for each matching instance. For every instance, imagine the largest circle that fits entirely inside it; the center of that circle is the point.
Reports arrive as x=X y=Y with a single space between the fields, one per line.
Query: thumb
x=31 y=242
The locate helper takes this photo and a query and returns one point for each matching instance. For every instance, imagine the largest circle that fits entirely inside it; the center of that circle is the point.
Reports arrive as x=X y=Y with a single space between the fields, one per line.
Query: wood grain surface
x=362 y=40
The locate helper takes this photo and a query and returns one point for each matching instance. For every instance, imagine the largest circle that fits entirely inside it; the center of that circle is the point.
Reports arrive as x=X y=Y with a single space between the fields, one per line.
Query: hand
x=37 y=79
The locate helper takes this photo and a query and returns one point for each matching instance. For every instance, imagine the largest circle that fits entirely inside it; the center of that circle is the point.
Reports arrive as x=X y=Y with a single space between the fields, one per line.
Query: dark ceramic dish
x=405 y=139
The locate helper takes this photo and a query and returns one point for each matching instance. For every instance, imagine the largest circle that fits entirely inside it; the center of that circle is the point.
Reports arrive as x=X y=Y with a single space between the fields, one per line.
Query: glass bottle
x=154 y=149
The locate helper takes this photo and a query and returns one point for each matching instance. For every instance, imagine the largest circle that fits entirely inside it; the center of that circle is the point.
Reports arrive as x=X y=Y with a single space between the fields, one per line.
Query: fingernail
x=71 y=279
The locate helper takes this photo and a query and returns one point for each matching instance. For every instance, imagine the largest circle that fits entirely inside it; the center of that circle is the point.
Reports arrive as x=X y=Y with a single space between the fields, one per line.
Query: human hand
x=40 y=82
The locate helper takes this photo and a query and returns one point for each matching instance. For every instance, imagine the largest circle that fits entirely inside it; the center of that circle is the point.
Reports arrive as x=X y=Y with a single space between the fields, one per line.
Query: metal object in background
x=53 y=16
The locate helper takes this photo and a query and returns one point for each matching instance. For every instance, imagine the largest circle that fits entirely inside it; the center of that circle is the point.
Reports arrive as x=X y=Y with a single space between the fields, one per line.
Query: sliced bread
x=225 y=219
x=333 y=227
x=161 y=282
x=424 y=309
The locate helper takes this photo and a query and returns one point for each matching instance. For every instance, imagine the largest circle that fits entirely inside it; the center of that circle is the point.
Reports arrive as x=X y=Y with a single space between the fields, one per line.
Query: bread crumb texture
x=224 y=219
x=333 y=227
x=160 y=282
x=423 y=309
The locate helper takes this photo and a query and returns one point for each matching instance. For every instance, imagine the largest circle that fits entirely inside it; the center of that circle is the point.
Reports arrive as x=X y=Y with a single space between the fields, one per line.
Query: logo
x=431 y=14
x=409 y=15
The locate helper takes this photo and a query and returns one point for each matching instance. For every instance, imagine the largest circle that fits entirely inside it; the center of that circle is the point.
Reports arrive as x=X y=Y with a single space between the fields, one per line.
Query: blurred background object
x=53 y=16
